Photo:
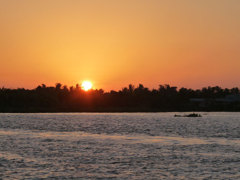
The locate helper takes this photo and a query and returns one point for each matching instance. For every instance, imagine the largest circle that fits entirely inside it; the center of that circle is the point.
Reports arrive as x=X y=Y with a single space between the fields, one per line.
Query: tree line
x=129 y=99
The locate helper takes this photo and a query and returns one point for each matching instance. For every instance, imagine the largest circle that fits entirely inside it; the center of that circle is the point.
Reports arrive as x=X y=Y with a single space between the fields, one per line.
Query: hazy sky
x=191 y=43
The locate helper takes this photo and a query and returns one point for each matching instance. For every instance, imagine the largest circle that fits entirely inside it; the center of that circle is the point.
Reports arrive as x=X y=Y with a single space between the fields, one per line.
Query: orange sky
x=113 y=43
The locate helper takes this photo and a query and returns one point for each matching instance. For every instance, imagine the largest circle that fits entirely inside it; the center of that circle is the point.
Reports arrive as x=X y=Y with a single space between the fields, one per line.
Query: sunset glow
x=86 y=85
x=183 y=43
x=116 y=89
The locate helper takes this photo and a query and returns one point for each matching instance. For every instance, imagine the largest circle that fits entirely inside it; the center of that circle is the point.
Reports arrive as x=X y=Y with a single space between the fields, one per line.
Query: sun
x=86 y=85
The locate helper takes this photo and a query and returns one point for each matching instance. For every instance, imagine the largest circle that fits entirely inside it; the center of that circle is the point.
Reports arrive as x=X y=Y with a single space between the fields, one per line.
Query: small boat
x=188 y=115
x=193 y=115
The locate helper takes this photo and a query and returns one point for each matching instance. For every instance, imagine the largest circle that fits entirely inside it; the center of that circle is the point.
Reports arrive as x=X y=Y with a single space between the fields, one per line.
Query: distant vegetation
x=130 y=99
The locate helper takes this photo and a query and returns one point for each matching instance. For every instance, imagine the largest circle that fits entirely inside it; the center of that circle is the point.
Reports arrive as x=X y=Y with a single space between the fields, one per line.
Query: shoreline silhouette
x=129 y=99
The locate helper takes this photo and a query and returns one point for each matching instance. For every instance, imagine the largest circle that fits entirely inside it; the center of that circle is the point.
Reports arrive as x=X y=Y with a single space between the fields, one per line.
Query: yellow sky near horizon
x=114 y=43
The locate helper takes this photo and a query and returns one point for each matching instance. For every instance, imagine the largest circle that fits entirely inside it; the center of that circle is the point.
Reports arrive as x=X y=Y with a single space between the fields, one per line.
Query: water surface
x=119 y=146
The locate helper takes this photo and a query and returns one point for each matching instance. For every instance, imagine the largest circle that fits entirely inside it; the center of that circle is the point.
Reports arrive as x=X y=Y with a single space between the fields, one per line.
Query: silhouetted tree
x=166 y=98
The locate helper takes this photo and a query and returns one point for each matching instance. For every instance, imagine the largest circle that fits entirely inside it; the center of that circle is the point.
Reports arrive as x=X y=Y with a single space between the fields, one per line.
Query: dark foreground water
x=119 y=146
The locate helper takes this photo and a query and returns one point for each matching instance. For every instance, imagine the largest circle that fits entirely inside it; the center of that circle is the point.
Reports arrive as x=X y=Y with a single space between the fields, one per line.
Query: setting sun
x=86 y=85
